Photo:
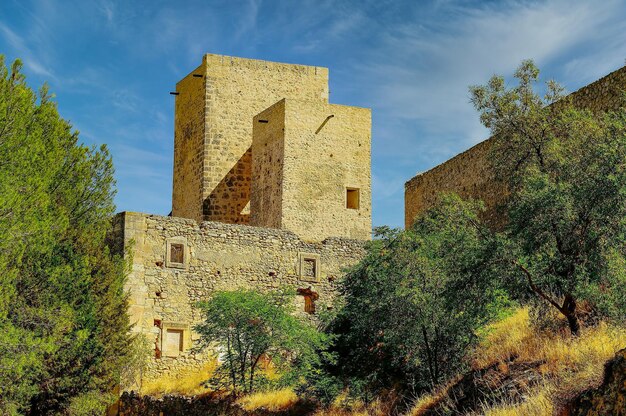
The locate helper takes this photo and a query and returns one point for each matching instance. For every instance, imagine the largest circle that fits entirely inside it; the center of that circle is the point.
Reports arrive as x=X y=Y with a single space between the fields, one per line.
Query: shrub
x=248 y=327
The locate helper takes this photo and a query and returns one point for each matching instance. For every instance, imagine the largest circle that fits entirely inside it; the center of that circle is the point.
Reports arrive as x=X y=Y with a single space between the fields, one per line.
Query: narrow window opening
x=352 y=198
x=173 y=342
x=157 y=341
x=308 y=268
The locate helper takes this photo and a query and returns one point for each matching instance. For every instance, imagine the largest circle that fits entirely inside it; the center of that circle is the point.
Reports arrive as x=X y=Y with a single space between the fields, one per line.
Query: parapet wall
x=469 y=174
x=177 y=262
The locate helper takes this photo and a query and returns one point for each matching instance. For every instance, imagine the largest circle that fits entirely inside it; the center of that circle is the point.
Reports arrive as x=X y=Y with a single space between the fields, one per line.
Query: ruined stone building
x=469 y=175
x=271 y=187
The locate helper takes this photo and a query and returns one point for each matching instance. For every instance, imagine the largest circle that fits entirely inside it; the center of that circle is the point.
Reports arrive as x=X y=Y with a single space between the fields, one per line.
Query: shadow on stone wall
x=228 y=200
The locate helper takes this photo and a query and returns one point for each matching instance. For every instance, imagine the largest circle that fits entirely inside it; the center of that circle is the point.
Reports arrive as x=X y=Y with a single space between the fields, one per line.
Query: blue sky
x=112 y=63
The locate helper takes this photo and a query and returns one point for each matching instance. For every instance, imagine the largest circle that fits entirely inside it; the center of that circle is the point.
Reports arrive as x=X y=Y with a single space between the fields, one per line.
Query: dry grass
x=539 y=403
x=567 y=365
x=185 y=382
x=428 y=401
x=571 y=362
x=272 y=400
x=375 y=408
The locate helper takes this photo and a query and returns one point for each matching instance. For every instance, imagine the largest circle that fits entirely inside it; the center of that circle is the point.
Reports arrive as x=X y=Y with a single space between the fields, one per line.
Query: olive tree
x=565 y=169
x=248 y=326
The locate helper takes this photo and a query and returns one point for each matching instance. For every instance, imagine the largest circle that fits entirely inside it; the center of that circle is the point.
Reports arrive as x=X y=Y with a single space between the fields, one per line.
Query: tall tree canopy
x=565 y=168
x=414 y=303
x=62 y=304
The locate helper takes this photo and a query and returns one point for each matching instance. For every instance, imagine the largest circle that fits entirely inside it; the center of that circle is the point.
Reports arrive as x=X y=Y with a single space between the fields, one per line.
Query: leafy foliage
x=413 y=305
x=248 y=327
x=62 y=304
x=565 y=168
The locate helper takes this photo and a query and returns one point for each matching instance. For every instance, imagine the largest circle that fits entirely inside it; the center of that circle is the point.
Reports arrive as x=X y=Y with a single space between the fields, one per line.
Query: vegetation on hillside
x=412 y=307
x=62 y=306
x=450 y=311
x=429 y=309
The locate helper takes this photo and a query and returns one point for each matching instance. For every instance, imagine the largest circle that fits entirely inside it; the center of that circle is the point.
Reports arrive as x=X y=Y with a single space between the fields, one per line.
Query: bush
x=250 y=328
x=414 y=303
x=92 y=403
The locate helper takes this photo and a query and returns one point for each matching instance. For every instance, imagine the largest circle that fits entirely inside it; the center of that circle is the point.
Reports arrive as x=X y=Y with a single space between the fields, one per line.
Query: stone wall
x=189 y=129
x=469 y=174
x=268 y=155
x=212 y=164
x=177 y=262
x=306 y=156
x=607 y=399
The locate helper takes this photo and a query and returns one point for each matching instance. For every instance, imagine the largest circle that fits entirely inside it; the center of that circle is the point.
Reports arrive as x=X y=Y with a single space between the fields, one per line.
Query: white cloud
x=24 y=52
x=419 y=72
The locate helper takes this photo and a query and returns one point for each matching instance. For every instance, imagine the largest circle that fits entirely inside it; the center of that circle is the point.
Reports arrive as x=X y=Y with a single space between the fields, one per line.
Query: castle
x=271 y=187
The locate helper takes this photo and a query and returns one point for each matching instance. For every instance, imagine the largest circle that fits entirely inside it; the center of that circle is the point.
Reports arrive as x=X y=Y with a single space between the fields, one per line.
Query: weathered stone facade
x=217 y=256
x=469 y=174
x=307 y=156
x=310 y=200
x=213 y=130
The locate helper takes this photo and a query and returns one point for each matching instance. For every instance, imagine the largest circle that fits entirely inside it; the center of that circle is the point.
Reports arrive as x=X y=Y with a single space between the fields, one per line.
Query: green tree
x=62 y=303
x=413 y=304
x=565 y=168
x=246 y=326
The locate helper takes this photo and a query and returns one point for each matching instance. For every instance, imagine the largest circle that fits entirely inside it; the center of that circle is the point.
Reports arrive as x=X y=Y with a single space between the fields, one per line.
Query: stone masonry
x=307 y=157
x=271 y=189
x=213 y=130
x=469 y=173
x=216 y=256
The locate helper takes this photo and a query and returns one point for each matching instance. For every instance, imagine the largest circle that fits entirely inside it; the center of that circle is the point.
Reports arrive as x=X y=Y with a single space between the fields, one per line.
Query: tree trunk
x=569 y=310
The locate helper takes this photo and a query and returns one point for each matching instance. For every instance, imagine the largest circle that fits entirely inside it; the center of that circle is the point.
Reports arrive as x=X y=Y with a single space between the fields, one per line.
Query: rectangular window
x=352 y=198
x=177 y=253
x=308 y=268
x=173 y=342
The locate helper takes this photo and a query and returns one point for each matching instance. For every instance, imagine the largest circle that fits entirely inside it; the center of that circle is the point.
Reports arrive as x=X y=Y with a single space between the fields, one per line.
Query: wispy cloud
x=28 y=57
x=112 y=63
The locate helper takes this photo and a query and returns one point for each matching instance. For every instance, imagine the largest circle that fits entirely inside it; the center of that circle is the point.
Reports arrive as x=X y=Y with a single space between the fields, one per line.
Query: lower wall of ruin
x=177 y=262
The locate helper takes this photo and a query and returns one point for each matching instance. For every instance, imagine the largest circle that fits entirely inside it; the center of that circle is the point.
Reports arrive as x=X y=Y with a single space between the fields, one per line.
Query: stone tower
x=312 y=177
x=310 y=169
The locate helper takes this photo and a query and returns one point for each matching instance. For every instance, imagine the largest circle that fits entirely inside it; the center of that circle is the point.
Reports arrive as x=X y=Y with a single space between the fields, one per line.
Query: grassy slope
x=557 y=367
x=529 y=372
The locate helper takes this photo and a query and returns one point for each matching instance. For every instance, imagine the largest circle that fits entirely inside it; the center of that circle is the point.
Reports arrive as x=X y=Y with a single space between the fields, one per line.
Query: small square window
x=177 y=253
x=352 y=198
x=309 y=266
